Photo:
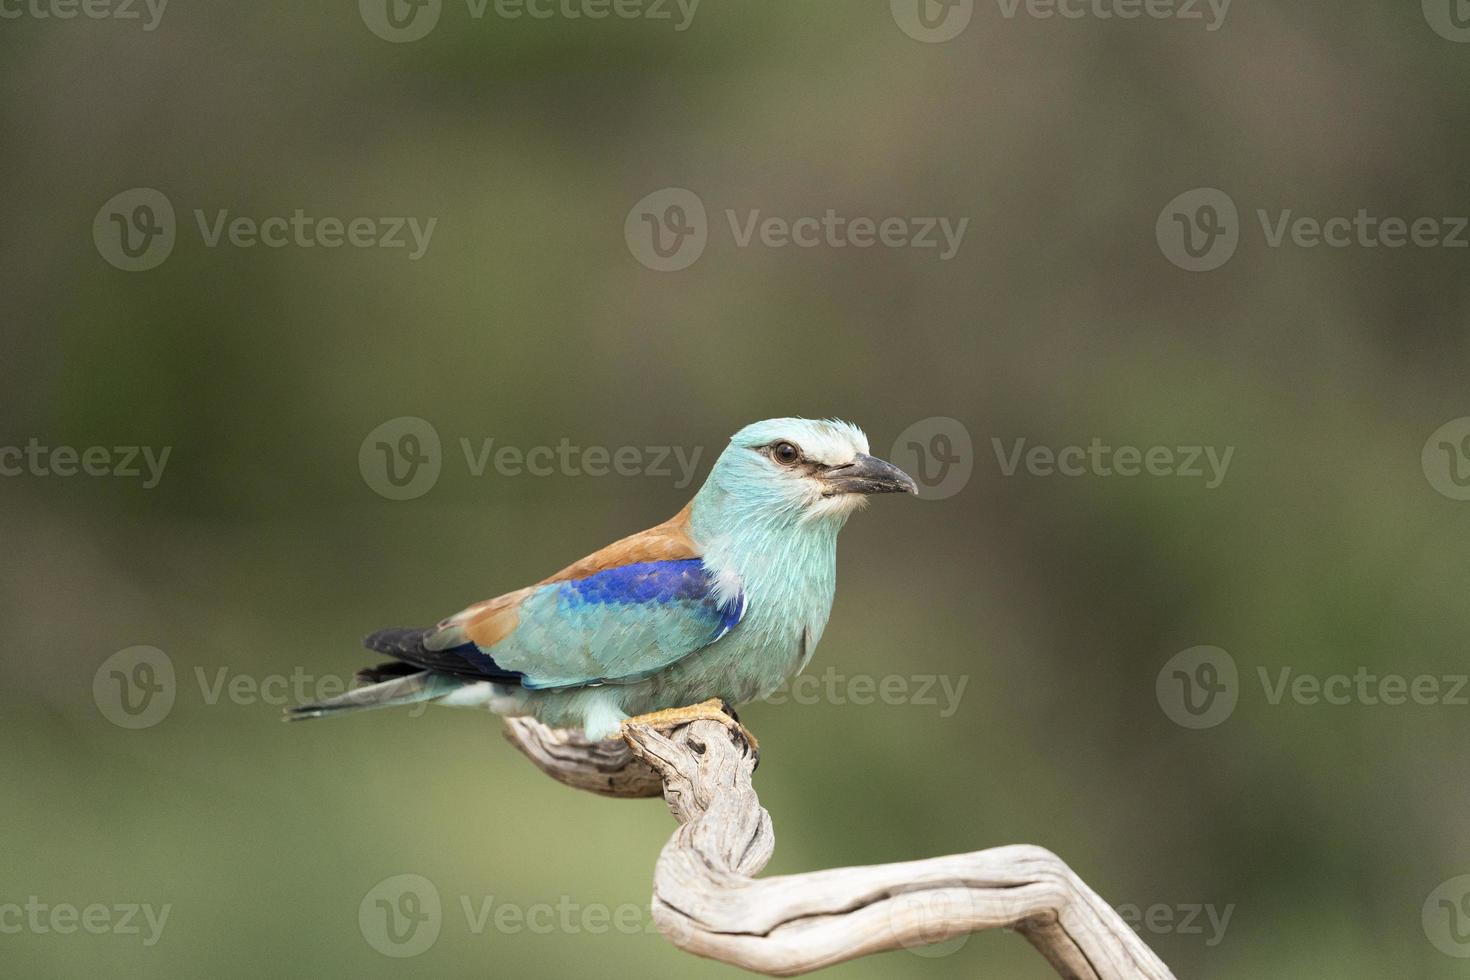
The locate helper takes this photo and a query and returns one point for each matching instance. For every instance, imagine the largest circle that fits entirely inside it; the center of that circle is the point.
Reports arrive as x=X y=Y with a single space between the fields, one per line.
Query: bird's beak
x=867 y=474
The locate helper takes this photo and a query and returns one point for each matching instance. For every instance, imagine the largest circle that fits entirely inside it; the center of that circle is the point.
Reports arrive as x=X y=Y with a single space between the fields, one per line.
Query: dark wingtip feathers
x=398 y=640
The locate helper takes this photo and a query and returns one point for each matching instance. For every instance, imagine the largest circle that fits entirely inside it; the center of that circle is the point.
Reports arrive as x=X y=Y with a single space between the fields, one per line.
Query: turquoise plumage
x=725 y=600
x=614 y=627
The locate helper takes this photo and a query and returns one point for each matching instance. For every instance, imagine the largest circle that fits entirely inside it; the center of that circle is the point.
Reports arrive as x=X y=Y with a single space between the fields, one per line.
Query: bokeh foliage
x=264 y=552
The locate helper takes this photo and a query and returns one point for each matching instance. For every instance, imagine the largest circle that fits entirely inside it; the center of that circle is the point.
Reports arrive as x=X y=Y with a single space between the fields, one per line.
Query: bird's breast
x=787 y=581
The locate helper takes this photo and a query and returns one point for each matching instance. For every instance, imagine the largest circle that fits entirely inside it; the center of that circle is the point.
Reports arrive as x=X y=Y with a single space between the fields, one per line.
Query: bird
x=714 y=608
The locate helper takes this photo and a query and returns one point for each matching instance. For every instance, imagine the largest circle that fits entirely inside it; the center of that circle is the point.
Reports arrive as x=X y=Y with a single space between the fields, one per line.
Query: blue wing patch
x=616 y=626
x=648 y=581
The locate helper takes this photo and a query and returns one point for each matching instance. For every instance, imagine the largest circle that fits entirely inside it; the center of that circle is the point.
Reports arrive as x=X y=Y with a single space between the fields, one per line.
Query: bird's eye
x=785 y=453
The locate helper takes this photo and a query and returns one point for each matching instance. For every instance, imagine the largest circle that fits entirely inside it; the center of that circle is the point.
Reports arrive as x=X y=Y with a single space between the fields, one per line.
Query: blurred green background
x=264 y=551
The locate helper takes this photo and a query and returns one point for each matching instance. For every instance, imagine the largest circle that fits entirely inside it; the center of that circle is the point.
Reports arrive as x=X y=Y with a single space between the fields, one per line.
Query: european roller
x=721 y=603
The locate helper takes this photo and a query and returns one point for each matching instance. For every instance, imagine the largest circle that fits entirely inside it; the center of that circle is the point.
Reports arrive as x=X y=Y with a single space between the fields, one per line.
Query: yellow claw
x=712 y=710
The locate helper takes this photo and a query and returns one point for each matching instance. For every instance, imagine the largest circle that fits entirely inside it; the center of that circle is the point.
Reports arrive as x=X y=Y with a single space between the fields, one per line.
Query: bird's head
x=802 y=470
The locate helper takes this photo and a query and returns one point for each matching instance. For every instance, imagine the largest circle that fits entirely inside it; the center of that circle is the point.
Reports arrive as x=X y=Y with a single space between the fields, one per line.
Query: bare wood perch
x=707 y=900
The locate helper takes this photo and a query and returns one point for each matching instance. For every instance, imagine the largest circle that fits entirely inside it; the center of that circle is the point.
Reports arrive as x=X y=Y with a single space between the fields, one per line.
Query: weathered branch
x=707 y=900
x=606 y=768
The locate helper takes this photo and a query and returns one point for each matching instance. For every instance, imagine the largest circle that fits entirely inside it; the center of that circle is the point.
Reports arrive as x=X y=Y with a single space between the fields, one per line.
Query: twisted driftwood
x=707 y=900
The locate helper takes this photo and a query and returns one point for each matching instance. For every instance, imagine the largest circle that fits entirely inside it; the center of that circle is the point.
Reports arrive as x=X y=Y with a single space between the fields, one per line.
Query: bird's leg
x=712 y=710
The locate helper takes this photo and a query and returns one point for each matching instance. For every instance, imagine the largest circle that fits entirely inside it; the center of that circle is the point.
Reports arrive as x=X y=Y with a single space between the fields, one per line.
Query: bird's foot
x=712 y=710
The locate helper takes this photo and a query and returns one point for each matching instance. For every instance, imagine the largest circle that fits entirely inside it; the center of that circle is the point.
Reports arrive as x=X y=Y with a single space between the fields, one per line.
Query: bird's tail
x=382 y=687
